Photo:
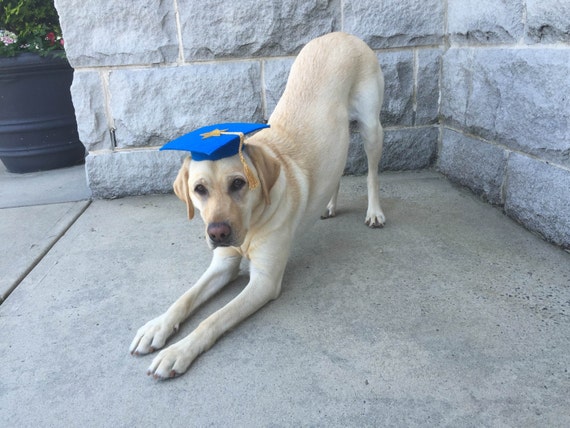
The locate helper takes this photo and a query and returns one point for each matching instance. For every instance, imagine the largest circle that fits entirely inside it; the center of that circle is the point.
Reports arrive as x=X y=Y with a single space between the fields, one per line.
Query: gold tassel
x=251 y=179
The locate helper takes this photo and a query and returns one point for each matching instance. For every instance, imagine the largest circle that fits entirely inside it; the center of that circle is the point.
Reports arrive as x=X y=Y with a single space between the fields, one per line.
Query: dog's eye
x=201 y=190
x=237 y=184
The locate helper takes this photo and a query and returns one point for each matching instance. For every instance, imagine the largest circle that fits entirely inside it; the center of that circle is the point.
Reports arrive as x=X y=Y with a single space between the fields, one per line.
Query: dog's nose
x=219 y=233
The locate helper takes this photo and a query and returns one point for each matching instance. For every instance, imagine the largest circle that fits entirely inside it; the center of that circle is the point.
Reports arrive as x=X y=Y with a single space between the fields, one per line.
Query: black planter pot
x=38 y=130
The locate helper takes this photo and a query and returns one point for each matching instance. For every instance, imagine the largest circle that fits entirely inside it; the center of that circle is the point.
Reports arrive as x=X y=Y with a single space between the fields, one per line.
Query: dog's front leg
x=264 y=286
x=223 y=269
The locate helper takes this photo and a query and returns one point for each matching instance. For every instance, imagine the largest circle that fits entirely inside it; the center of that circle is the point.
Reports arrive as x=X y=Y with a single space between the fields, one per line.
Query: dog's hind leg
x=368 y=116
x=373 y=138
x=331 y=206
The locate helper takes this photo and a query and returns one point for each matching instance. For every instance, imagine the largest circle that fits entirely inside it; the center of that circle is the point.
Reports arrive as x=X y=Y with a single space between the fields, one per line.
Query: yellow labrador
x=298 y=161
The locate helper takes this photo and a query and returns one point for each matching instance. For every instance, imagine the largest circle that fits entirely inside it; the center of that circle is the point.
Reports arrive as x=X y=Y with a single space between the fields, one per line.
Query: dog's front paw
x=170 y=362
x=152 y=335
x=375 y=220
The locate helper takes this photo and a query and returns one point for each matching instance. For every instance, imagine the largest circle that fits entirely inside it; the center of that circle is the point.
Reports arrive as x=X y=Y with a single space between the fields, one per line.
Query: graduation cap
x=214 y=142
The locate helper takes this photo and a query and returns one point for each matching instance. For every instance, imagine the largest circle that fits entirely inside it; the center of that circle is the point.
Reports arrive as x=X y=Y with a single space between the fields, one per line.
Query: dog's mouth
x=213 y=245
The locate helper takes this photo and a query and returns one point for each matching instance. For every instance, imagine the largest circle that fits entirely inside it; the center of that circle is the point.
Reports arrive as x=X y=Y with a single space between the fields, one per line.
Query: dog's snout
x=220 y=233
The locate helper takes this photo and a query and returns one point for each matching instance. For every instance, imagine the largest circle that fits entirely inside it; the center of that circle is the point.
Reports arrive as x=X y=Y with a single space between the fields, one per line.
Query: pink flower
x=51 y=38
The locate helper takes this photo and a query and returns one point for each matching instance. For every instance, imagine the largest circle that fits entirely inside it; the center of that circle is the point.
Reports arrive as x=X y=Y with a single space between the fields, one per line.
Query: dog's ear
x=267 y=167
x=181 y=187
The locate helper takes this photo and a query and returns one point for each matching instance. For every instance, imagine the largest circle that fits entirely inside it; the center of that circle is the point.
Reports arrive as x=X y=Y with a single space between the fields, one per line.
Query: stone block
x=427 y=91
x=89 y=102
x=410 y=148
x=152 y=106
x=456 y=74
x=132 y=172
x=485 y=21
x=404 y=149
x=538 y=196
x=394 y=23
x=516 y=97
x=548 y=21
x=473 y=163
x=356 y=163
x=398 y=105
x=248 y=28
x=112 y=33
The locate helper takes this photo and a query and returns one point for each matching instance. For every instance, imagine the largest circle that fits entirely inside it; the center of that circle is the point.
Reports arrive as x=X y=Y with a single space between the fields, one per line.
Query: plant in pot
x=38 y=129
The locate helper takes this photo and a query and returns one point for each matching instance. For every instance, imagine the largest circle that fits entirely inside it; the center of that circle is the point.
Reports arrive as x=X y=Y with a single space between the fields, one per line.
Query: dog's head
x=220 y=191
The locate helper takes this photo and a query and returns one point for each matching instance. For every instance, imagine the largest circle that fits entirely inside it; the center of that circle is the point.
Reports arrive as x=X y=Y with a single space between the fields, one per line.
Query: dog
x=298 y=162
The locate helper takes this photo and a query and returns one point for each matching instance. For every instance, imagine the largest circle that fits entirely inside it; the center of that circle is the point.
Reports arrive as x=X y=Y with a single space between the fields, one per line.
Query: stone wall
x=505 y=108
x=143 y=77
x=478 y=89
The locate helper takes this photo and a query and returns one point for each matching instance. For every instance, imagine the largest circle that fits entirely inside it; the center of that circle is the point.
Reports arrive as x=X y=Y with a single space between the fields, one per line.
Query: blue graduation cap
x=214 y=142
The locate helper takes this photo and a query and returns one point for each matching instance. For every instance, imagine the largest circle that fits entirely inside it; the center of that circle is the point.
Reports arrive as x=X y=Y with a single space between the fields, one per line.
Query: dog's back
x=323 y=78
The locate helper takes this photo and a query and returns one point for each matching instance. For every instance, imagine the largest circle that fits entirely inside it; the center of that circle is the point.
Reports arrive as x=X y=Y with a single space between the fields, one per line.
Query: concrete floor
x=43 y=187
x=452 y=315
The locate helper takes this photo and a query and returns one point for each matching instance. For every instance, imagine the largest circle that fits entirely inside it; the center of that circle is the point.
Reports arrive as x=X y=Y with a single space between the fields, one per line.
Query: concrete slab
x=27 y=234
x=452 y=315
x=44 y=187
